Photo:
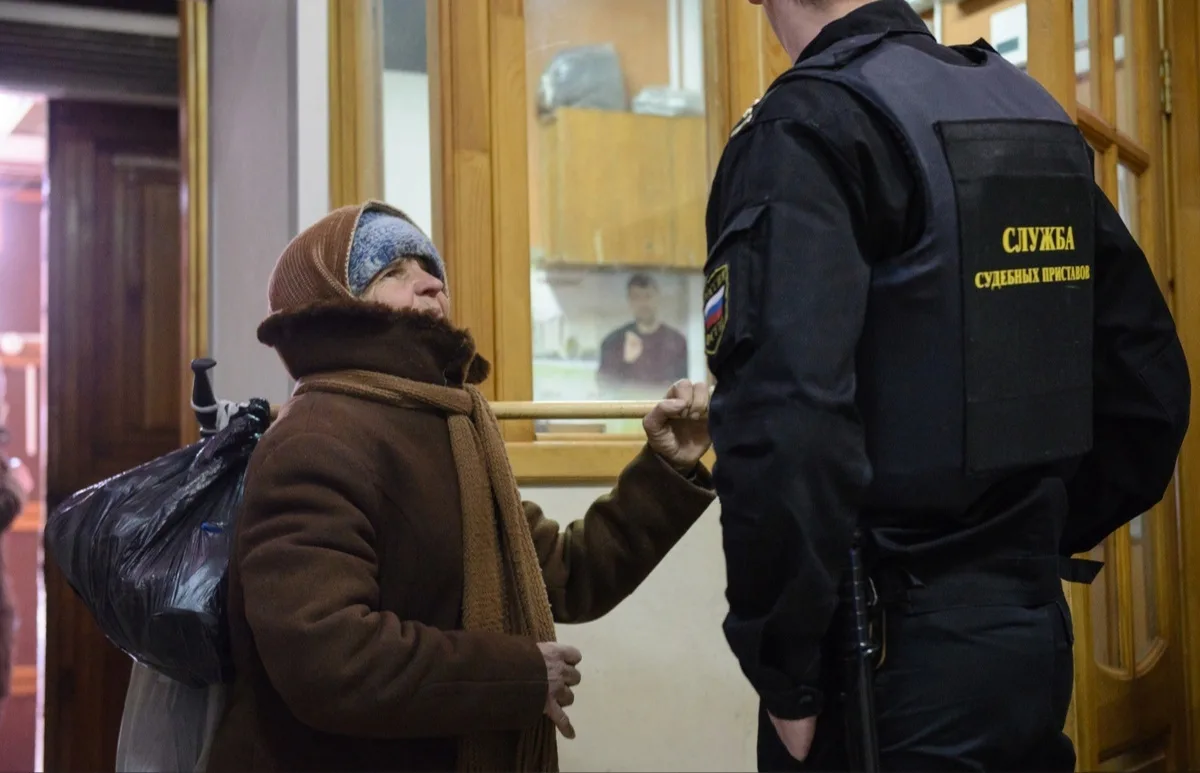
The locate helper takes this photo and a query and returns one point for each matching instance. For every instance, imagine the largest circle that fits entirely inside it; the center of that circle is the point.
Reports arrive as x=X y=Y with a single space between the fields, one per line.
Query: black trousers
x=972 y=688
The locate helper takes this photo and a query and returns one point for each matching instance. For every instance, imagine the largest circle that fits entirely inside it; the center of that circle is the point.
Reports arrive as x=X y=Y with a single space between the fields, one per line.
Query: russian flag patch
x=716 y=303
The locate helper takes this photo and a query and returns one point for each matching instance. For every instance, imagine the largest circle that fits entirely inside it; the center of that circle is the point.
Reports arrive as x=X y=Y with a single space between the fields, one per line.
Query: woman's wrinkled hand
x=677 y=428
x=561 y=676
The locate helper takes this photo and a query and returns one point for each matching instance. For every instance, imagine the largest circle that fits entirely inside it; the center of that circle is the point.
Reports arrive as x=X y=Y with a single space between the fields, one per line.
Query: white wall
x=269 y=146
x=310 y=103
x=661 y=691
x=407 y=174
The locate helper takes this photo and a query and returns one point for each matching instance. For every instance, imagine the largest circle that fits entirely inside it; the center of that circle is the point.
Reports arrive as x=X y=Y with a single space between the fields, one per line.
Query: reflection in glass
x=618 y=181
x=1127 y=198
x=1002 y=23
x=1008 y=31
x=1104 y=610
x=1084 y=83
x=615 y=334
x=1123 y=56
x=407 y=171
x=1145 y=582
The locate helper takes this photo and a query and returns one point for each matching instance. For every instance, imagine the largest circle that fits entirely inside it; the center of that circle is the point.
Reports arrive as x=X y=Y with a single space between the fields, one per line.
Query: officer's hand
x=796 y=734
x=677 y=428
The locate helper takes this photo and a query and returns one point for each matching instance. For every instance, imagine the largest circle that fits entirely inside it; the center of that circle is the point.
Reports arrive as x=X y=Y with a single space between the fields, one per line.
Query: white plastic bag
x=167 y=726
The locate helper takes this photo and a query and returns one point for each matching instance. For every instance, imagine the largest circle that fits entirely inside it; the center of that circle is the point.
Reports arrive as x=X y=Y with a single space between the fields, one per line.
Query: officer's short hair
x=641 y=280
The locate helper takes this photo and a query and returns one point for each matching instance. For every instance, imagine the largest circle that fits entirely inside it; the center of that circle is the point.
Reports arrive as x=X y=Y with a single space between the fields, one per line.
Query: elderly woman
x=391 y=600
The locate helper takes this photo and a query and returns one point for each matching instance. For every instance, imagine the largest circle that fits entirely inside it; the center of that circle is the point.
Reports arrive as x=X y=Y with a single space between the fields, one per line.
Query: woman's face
x=407 y=286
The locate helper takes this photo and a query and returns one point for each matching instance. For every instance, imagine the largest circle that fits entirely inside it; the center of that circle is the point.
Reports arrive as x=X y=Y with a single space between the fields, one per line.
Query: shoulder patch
x=716 y=308
x=745 y=119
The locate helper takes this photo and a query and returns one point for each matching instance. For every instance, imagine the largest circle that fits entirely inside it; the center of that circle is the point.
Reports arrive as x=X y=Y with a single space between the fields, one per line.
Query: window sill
x=574 y=462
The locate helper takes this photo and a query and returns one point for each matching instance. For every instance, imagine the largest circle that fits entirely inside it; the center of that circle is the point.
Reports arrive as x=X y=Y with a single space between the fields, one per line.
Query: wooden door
x=113 y=371
x=1130 y=676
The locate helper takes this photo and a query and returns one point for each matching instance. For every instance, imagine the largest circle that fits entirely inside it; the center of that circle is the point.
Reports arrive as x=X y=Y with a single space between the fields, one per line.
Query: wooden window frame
x=1182 y=76
x=478 y=104
x=1106 y=689
x=194 y=199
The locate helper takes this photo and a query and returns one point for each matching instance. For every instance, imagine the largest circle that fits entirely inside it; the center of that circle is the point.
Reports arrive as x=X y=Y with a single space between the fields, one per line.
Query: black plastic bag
x=147 y=551
x=583 y=76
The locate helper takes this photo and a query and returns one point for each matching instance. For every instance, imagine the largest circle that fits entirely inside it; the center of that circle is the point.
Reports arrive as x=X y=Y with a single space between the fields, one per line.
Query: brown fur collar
x=360 y=335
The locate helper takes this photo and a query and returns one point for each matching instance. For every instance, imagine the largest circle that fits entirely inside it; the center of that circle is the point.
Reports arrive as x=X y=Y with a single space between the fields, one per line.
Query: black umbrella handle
x=204 y=401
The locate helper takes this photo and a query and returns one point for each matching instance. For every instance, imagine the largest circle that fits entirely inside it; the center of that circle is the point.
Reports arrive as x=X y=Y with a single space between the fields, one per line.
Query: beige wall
x=660 y=690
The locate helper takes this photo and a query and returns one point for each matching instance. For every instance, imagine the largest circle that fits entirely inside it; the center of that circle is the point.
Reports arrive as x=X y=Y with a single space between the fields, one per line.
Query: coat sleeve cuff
x=799 y=703
x=699 y=477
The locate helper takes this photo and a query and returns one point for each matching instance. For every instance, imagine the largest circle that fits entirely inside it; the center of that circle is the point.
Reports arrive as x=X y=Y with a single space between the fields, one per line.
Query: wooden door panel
x=114 y=370
x=1134 y=677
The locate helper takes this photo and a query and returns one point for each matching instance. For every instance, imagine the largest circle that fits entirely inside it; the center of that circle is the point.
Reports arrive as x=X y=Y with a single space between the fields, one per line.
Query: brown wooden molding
x=355 y=102
x=194 y=198
x=30 y=519
x=31 y=350
x=20 y=183
x=24 y=682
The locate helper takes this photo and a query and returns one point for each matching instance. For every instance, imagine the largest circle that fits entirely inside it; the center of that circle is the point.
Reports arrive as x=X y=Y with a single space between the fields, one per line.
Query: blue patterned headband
x=381 y=239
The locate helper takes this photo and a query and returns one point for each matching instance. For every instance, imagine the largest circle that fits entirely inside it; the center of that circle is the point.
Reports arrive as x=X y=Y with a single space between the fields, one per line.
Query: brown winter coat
x=346 y=586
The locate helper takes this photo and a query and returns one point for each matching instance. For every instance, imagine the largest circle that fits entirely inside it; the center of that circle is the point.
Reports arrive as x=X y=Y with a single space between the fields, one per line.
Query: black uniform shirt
x=801 y=207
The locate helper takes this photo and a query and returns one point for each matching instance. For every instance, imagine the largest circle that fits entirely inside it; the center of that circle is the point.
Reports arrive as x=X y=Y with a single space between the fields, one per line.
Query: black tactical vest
x=976 y=357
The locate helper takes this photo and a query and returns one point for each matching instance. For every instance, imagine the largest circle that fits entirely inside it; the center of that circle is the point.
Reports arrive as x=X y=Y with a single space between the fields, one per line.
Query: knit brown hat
x=315 y=267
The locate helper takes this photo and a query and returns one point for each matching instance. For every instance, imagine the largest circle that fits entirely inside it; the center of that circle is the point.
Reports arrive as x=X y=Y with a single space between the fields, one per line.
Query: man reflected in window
x=645 y=352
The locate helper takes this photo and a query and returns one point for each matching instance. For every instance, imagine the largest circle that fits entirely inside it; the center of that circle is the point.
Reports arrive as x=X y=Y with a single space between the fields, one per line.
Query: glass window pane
x=1127 y=198
x=1083 y=80
x=618 y=183
x=1142 y=533
x=1003 y=24
x=1123 y=54
x=1104 y=610
x=407 y=171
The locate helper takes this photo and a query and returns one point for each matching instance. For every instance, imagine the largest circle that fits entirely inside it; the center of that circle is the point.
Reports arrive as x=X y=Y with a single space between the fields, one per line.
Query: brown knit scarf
x=503 y=588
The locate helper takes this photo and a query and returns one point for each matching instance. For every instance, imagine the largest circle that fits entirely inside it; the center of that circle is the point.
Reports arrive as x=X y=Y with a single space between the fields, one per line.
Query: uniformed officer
x=926 y=322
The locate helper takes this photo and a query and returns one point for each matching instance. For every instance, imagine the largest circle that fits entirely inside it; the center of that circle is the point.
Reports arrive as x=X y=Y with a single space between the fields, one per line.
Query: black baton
x=862 y=739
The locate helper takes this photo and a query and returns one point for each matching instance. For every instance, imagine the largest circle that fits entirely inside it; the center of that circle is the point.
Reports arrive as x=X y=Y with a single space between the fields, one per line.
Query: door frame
x=194 y=287
x=1182 y=24
x=1051 y=61
x=194 y=193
